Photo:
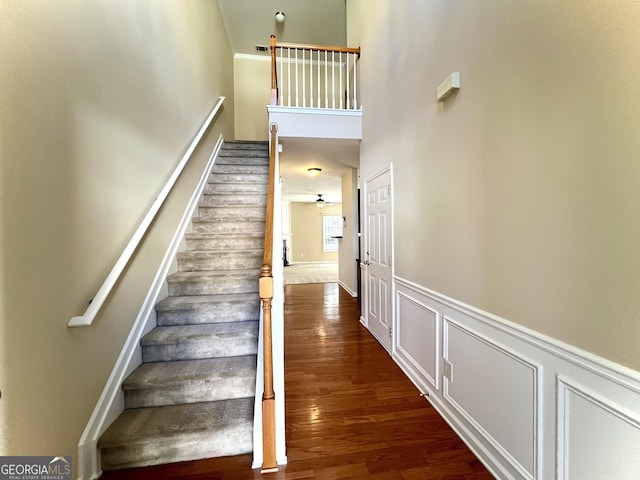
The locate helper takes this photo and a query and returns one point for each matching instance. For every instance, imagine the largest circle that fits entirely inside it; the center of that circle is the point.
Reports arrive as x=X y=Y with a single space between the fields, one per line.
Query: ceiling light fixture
x=314 y=172
x=280 y=16
x=320 y=201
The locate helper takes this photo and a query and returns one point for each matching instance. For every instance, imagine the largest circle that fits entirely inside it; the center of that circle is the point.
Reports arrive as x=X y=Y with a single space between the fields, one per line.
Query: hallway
x=351 y=412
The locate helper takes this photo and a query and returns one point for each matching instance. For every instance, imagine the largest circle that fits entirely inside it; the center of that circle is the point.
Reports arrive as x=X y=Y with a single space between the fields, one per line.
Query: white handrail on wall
x=103 y=293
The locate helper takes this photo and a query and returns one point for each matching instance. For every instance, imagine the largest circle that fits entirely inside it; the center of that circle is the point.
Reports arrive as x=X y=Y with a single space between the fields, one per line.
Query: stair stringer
x=111 y=402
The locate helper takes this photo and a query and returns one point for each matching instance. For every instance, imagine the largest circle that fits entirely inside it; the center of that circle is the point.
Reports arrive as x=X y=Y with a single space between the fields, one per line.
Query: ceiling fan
x=320 y=203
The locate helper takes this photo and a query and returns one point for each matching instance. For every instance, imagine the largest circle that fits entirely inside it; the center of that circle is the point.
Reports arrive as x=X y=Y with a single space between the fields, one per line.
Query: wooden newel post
x=269 y=463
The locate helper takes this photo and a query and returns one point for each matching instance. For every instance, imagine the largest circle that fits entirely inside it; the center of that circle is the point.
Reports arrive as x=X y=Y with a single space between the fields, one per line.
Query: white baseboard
x=111 y=402
x=529 y=406
x=347 y=289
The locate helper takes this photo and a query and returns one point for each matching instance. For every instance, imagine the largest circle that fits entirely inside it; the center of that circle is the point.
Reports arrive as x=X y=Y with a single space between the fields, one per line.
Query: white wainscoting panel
x=597 y=437
x=529 y=406
x=417 y=338
x=495 y=390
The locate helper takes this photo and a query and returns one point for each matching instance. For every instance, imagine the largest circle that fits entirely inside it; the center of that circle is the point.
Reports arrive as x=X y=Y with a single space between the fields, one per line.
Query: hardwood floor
x=351 y=412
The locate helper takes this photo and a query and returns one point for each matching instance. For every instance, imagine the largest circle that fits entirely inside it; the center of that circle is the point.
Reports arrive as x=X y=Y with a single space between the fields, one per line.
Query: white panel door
x=378 y=256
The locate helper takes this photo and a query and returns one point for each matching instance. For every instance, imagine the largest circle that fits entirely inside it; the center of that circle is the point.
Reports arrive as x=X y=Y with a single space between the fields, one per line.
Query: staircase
x=193 y=395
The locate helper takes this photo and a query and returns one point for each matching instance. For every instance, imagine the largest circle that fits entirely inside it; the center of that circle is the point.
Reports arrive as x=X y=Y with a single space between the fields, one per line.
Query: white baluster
x=297 y=82
x=311 y=78
x=347 y=84
x=333 y=79
x=340 y=93
x=355 y=81
x=304 y=80
x=319 y=106
x=326 y=81
x=281 y=80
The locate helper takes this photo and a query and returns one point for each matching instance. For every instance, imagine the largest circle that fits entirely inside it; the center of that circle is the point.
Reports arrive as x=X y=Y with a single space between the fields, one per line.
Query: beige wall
x=306 y=232
x=252 y=86
x=519 y=195
x=98 y=103
x=349 y=243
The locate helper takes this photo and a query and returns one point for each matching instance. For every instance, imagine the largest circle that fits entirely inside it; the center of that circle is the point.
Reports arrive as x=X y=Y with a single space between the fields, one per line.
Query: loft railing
x=314 y=76
x=269 y=463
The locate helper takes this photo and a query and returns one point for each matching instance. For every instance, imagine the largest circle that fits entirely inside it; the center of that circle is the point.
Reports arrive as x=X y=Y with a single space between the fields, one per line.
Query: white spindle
x=297 y=94
x=281 y=81
x=348 y=86
x=355 y=82
x=333 y=79
x=319 y=106
x=311 y=78
x=304 y=80
x=326 y=81
x=340 y=62
x=289 y=77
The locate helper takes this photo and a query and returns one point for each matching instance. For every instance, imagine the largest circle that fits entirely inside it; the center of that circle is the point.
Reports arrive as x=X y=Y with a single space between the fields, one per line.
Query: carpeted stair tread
x=157 y=435
x=232 y=211
x=229 y=187
x=241 y=168
x=228 y=242
x=228 y=225
x=194 y=260
x=246 y=144
x=238 y=178
x=213 y=282
x=190 y=381
x=199 y=333
x=234 y=199
x=201 y=309
x=190 y=342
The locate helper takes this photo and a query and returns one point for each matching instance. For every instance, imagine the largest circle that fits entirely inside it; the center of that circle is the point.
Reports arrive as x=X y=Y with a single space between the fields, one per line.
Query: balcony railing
x=314 y=76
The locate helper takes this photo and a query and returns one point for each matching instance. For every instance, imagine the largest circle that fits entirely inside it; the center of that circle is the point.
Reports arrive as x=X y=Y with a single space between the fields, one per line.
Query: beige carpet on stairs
x=311 y=273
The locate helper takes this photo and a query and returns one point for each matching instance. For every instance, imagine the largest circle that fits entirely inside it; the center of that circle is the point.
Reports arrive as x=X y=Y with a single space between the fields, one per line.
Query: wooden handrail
x=269 y=463
x=328 y=48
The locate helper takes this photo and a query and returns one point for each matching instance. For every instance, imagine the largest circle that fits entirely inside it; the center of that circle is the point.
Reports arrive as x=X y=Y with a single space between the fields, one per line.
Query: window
x=331 y=228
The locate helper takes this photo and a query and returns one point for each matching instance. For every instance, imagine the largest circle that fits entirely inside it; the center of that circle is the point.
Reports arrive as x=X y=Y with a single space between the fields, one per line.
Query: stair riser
x=232 y=212
x=223 y=243
x=237 y=178
x=230 y=285
x=228 y=227
x=245 y=155
x=222 y=313
x=228 y=262
x=229 y=388
x=235 y=188
x=241 y=169
x=196 y=350
x=221 y=200
x=245 y=145
x=224 y=443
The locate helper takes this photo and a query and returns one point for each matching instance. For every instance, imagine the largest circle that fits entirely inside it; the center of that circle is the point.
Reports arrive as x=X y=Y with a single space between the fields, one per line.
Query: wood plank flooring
x=351 y=412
